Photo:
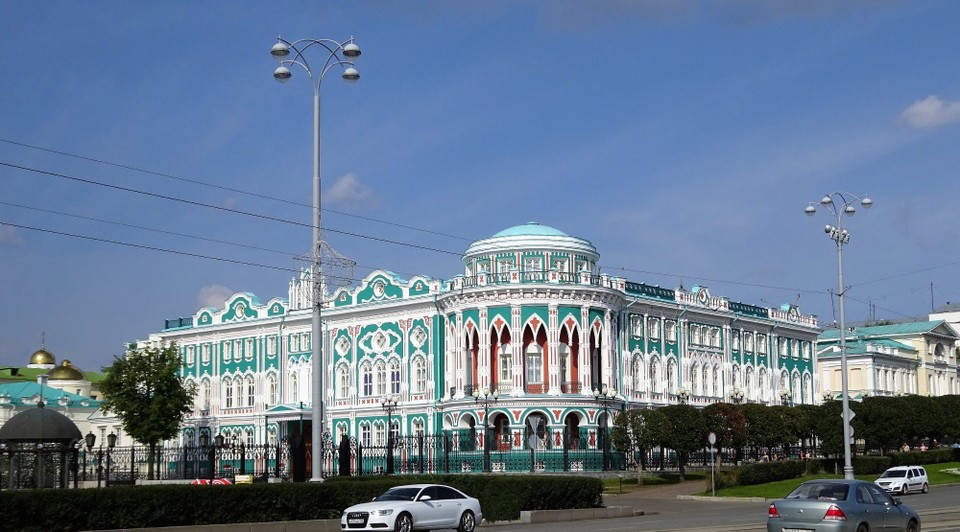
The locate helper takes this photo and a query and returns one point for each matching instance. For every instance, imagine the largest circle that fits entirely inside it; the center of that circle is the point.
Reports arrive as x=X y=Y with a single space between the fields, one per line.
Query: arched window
x=534 y=364
x=394 y=377
x=294 y=392
x=251 y=390
x=366 y=375
x=343 y=382
x=420 y=375
x=655 y=375
x=272 y=386
x=638 y=373
x=381 y=378
x=671 y=375
x=227 y=393
x=505 y=365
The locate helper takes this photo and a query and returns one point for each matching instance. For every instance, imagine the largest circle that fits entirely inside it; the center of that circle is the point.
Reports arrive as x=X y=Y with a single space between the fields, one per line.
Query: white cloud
x=931 y=112
x=9 y=234
x=350 y=192
x=213 y=295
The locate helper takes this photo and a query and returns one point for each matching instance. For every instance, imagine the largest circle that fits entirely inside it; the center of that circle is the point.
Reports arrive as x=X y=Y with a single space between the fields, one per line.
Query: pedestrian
x=905 y=448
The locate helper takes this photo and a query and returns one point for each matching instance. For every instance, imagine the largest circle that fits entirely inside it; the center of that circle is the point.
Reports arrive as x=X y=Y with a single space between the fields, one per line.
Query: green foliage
x=764 y=472
x=684 y=431
x=727 y=422
x=144 y=389
x=501 y=497
x=870 y=465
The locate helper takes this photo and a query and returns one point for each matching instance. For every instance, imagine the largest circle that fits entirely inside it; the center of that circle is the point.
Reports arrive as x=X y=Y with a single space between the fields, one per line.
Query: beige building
x=897 y=359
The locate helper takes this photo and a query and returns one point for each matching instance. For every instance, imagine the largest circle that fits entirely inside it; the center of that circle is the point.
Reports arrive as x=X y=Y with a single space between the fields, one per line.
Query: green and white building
x=529 y=317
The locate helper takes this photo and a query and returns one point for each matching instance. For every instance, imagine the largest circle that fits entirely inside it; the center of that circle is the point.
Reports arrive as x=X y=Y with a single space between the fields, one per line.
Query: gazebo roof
x=40 y=425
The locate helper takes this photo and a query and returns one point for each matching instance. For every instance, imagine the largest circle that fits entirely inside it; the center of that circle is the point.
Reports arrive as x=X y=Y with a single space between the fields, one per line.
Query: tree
x=685 y=432
x=726 y=421
x=144 y=389
x=637 y=430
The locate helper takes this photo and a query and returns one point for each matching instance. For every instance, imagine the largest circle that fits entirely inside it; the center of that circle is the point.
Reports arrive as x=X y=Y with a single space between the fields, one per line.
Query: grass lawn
x=628 y=481
x=776 y=490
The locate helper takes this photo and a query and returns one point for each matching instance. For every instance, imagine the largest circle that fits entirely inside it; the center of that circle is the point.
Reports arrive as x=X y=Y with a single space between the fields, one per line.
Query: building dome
x=40 y=424
x=65 y=372
x=530 y=229
x=42 y=357
x=531 y=237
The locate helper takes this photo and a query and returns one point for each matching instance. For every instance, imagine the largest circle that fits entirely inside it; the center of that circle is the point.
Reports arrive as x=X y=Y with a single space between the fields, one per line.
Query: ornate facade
x=530 y=324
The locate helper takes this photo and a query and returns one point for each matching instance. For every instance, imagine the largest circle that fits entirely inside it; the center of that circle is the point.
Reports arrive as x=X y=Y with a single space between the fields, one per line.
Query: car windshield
x=398 y=494
x=894 y=474
x=820 y=490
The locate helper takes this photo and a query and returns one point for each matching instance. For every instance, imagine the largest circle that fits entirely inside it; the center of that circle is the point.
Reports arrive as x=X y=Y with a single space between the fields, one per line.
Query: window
x=248 y=349
x=251 y=391
x=343 y=383
x=272 y=386
x=365 y=435
x=735 y=340
x=636 y=325
x=394 y=377
x=367 y=376
x=418 y=427
x=761 y=344
x=694 y=333
x=420 y=376
x=783 y=347
x=670 y=332
x=748 y=342
x=190 y=355
x=653 y=326
x=225 y=348
x=506 y=366
x=534 y=364
x=237 y=349
x=305 y=341
x=381 y=378
x=272 y=346
x=205 y=353
x=294 y=392
x=205 y=394
x=227 y=394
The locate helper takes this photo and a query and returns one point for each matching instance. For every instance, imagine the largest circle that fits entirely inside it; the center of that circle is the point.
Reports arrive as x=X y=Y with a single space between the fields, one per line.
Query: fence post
x=420 y=450
x=566 y=448
x=446 y=452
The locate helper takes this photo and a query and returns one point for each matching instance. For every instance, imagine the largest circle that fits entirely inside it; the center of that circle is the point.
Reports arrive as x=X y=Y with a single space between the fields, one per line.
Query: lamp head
x=810 y=210
x=849 y=210
x=351 y=50
x=111 y=440
x=866 y=202
x=282 y=74
x=350 y=75
x=219 y=440
x=279 y=51
x=90 y=439
x=826 y=200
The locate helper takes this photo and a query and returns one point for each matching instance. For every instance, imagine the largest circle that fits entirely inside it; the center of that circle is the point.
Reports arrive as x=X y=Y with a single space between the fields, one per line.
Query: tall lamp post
x=111 y=443
x=605 y=397
x=91 y=439
x=389 y=404
x=337 y=55
x=838 y=205
x=487 y=397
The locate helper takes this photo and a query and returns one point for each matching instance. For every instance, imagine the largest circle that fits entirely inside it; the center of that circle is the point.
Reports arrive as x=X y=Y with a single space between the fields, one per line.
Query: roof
x=858 y=346
x=25 y=393
x=530 y=229
x=916 y=327
x=40 y=424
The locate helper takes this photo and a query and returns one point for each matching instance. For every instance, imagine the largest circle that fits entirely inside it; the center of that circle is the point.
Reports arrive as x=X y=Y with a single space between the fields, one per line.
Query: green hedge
x=502 y=497
x=764 y=472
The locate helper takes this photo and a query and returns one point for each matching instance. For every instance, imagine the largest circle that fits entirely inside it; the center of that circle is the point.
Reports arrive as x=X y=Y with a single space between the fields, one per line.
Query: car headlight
x=382 y=512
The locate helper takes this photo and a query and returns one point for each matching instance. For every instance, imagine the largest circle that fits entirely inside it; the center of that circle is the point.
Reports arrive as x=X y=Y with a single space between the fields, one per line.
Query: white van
x=904 y=479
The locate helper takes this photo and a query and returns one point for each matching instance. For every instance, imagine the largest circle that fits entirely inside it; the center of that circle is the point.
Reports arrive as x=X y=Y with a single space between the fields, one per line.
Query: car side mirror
x=896 y=501
x=425 y=498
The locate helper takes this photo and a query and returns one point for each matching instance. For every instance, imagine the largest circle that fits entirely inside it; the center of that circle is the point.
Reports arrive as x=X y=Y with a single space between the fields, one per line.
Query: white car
x=903 y=479
x=415 y=507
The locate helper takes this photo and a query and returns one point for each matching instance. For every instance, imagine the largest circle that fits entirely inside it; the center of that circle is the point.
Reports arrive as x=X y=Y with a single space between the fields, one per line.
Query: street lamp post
x=111 y=443
x=339 y=55
x=605 y=397
x=487 y=397
x=837 y=205
x=736 y=395
x=389 y=404
x=91 y=439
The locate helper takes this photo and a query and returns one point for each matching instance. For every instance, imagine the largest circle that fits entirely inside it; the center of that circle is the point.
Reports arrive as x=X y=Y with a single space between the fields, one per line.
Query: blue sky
x=683 y=139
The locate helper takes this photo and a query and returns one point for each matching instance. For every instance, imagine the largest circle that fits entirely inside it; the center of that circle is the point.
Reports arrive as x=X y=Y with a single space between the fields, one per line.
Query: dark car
x=840 y=505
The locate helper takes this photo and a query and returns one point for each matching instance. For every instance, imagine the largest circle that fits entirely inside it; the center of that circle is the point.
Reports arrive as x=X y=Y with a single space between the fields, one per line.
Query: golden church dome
x=42 y=357
x=65 y=372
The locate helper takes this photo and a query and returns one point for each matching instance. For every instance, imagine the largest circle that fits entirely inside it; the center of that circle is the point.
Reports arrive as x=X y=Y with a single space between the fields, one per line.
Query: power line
x=173 y=233
x=225 y=188
x=164 y=250
x=219 y=208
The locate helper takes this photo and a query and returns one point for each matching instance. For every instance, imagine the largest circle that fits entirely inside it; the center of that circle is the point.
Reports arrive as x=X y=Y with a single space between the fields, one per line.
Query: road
x=939 y=512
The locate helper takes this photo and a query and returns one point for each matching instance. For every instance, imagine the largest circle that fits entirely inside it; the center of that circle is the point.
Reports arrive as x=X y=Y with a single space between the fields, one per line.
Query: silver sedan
x=840 y=505
x=415 y=507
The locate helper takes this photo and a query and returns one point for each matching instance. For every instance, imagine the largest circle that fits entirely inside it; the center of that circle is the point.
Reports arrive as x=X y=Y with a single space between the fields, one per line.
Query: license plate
x=355 y=521
x=797 y=530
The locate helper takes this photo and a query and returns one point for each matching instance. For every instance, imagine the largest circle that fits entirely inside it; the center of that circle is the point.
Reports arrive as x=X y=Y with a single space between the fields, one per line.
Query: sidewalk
x=662 y=498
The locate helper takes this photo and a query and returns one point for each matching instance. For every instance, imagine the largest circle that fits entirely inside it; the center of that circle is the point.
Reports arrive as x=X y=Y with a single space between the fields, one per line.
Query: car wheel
x=925 y=489
x=404 y=523
x=467 y=522
x=903 y=490
x=863 y=528
x=912 y=526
